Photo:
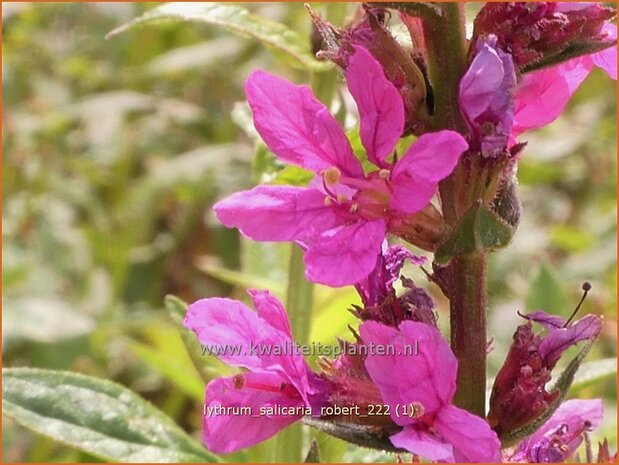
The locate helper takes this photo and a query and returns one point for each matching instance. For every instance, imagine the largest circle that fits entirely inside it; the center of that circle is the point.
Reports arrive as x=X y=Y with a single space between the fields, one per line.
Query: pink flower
x=519 y=393
x=436 y=430
x=534 y=31
x=542 y=95
x=380 y=302
x=378 y=285
x=562 y=434
x=277 y=379
x=487 y=97
x=342 y=218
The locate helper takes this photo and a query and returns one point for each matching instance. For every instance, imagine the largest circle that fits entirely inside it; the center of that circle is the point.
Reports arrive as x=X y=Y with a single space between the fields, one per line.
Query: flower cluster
x=523 y=66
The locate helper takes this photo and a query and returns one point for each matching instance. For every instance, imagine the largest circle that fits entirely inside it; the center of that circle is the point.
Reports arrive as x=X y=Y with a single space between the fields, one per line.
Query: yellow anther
x=328 y=201
x=384 y=174
x=332 y=176
x=341 y=198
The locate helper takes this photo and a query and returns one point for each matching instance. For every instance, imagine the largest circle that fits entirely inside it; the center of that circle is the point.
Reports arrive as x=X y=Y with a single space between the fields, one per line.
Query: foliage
x=115 y=151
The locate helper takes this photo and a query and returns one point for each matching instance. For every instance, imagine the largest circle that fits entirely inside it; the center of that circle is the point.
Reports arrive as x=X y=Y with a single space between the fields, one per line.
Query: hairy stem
x=446 y=41
x=468 y=304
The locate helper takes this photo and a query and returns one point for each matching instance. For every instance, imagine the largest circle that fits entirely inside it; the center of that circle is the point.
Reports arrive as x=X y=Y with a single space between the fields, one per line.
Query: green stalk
x=299 y=292
x=445 y=37
x=299 y=299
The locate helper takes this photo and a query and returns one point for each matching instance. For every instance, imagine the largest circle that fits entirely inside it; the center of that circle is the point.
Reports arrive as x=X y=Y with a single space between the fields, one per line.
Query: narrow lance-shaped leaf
x=97 y=416
x=239 y=21
x=177 y=309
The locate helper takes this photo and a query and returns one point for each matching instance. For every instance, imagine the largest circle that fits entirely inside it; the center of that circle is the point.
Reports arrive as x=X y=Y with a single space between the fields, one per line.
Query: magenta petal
x=410 y=195
x=560 y=436
x=243 y=338
x=381 y=110
x=424 y=444
x=271 y=309
x=227 y=323
x=428 y=377
x=470 y=435
x=228 y=433
x=607 y=59
x=559 y=340
x=276 y=213
x=481 y=82
x=345 y=254
x=431 y=157
x=382 y=368
x=377 y=285
x=542 y=95
x=487 y=97
x=590 y=411
x=547 y=321
x=296 y=127
x=441 y=363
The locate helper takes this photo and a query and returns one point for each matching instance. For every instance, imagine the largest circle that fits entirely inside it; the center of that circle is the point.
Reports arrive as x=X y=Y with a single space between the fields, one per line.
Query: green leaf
x=239 y=21
x=546 y=293
x=293 y=176
x=479 y=229
x=240 y=279
x=299 y=299
x=184 y=377
x=97 y=416
x=177 y=309
x=594 y=372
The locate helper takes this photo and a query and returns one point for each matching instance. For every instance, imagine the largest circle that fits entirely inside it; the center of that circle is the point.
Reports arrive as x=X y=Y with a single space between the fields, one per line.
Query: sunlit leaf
x=182 y=376
x=239 y=21
x=240 y=279
x=96 y=416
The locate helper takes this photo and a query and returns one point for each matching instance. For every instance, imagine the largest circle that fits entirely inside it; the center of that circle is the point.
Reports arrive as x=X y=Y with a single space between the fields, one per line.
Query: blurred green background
x=114 y=152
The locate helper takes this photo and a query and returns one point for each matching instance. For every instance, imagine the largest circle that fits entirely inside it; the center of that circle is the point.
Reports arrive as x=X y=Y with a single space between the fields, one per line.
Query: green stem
x=299 y=297
x=299 y=293
x=447 y=47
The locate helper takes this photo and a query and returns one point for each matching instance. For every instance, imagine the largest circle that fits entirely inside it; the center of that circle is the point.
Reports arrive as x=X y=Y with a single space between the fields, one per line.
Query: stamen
x=328 y=201
x=384 y=174
x=354 y=208
x=238 y=381
x=341 y=198
x=332 y=176
x=416 y=410
x=586 y=287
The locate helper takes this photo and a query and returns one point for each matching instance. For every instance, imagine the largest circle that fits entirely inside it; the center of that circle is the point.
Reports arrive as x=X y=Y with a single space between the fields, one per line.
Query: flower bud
x=544 y=33
x=401 y=68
